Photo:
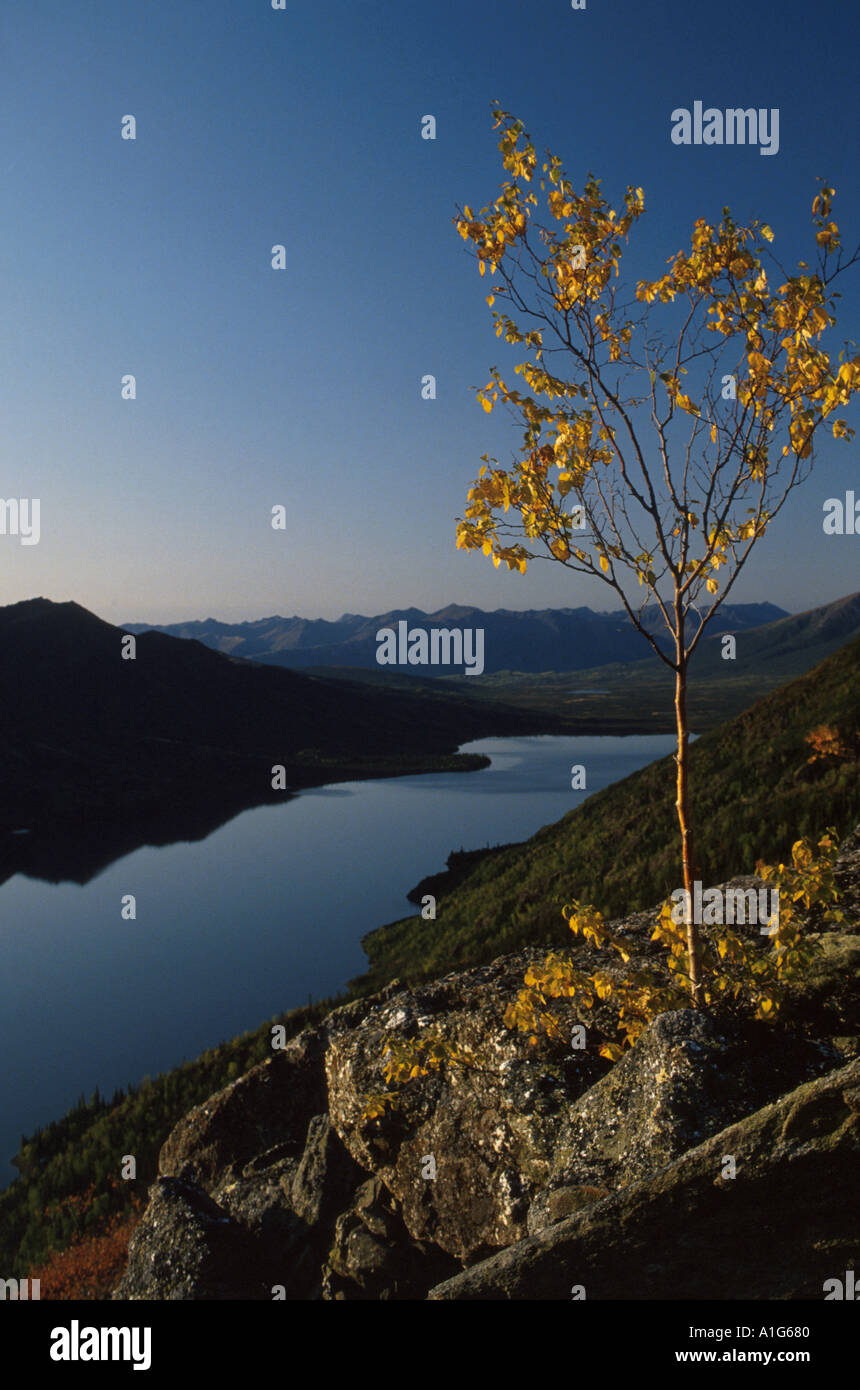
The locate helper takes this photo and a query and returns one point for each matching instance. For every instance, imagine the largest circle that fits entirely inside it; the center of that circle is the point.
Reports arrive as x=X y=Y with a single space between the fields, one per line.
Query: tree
x=673 y=480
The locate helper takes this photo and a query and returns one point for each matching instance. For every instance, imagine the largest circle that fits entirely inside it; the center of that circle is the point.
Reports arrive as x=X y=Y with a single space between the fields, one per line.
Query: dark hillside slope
x=63 y=679
x=779 y=647
x=182 y=737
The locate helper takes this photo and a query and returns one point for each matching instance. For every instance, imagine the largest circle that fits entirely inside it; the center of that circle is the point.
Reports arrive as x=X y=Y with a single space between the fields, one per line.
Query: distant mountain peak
x=527 y=640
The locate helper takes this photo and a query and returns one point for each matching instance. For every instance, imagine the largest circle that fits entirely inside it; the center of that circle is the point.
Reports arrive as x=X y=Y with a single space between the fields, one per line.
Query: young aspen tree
x=674 y=477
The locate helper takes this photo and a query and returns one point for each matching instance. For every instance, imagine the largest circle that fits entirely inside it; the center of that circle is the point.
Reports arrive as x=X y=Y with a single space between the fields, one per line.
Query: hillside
x=174 y=742
x=780 y=646
x=753 y=793
x=590 y=699
x=599 y=696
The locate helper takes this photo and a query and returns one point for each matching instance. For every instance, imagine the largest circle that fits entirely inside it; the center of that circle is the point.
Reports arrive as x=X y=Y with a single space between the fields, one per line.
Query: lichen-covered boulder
x=187 y=1247
x=687 y=1078
x=374 y=1257
x=528 y=1134
x=464 y=1150
x=782 y=1226
x=270 y=1106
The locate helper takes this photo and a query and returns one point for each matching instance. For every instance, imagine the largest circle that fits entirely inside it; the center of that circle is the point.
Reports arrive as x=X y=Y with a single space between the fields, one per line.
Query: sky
x=302 y=126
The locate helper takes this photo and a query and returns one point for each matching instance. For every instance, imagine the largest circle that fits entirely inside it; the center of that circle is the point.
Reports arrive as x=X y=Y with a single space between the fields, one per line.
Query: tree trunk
x=682 y=804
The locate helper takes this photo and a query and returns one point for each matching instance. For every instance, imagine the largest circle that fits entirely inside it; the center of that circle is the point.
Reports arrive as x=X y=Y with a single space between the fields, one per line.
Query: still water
x=266 y=912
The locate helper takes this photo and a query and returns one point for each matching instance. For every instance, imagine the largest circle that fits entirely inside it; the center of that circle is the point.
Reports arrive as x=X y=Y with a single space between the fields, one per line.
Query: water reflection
x=238 y=917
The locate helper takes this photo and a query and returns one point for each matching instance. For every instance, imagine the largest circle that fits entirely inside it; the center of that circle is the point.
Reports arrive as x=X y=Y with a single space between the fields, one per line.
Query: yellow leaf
x=766 y=232
x=713 y=434
x=604 y=563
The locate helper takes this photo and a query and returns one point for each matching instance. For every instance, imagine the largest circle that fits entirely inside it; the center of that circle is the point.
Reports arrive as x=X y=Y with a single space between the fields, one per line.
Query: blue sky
x=302 y=387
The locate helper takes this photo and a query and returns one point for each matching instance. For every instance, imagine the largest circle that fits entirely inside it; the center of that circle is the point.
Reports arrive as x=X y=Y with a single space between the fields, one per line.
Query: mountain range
x=534 y=640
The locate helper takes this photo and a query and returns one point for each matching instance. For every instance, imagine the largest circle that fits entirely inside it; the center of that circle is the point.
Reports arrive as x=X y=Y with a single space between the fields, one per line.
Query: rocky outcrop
x=488 y=1132
x=685 y=1080
x=523 y=1134
x=373 y=1256
x=190 y=1249
x=531 y=1168
x=268 y=1109
x=778 y=1229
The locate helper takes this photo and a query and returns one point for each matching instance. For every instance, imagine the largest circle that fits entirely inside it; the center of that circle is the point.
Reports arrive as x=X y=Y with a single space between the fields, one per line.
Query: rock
x=326 y=1176
x=270 y=1106
x=777 y=1230
x=491 y=1128
x=687 y=1078
x=270 y=1227
x=529 y=1135
x=284 y=1246
x=187 y=1247
x=290 y=1207
x=373 y=1255
x=826 y=1002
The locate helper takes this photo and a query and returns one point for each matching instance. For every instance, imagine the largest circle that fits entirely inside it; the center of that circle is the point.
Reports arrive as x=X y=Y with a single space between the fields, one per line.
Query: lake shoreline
x=261 y=912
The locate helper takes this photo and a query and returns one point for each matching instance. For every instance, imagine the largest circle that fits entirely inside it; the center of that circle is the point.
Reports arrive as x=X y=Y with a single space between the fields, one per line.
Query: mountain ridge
x=530 y=640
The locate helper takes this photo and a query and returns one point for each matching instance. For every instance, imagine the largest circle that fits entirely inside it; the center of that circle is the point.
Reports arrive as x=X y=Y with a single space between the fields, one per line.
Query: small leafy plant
x=735 y=971
x=744 y=976
x=407 y=1059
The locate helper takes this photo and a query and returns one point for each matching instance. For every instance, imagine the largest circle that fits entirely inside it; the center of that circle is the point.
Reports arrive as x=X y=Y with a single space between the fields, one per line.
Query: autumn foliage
x=825 y=743
x=93 y=1264
x=678 y=444
x=738 y=970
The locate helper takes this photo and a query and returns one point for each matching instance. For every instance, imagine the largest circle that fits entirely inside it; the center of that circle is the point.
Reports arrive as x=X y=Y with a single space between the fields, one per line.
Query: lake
x=266 y=912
